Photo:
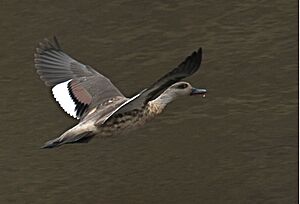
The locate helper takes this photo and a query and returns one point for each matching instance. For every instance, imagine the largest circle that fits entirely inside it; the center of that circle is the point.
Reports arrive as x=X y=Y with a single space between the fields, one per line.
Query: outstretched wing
x=188 y=67
x=75 y=86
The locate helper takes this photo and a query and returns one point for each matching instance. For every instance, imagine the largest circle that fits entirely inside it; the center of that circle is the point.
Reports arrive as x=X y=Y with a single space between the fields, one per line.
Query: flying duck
x=100 y=107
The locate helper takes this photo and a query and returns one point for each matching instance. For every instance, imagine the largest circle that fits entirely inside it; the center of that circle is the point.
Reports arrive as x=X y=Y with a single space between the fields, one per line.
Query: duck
x=101 y=108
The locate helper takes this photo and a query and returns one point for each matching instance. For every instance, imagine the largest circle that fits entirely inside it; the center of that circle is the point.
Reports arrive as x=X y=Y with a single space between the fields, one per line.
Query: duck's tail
x=70 y=136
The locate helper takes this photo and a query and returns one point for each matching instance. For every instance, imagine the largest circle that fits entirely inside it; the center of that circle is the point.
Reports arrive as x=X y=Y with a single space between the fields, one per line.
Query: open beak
x=198 y=92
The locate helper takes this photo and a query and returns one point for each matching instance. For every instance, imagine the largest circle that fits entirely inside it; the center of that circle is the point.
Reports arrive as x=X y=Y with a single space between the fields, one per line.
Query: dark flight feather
x=188 y=67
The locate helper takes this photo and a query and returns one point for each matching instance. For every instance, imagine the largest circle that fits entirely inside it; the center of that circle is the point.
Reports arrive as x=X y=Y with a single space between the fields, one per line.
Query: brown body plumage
x=101 y=108
x=131 y=120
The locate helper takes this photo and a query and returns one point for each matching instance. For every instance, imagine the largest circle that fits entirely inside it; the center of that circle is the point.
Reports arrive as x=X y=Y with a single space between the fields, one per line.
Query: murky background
x=237 y=145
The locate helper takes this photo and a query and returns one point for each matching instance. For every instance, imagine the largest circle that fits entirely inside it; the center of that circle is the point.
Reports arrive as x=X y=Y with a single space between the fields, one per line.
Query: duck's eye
x=182 y=86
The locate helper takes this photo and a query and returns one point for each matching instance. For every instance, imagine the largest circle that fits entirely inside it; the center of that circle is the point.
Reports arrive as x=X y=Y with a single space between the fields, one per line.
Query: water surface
x=238 y=145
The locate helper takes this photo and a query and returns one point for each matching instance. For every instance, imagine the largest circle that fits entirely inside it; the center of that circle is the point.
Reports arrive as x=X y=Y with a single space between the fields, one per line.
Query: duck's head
x=184 y=89
x=180 y=89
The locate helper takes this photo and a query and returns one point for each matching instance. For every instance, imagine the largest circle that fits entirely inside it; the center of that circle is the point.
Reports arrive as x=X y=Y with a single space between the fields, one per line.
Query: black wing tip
x=198 y=58
x=200 y=50
x=197 y=52
x=192 y=63
x=200 y=53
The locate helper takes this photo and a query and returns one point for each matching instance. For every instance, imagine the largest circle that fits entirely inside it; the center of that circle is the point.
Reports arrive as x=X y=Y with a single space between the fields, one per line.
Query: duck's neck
x=157 y=105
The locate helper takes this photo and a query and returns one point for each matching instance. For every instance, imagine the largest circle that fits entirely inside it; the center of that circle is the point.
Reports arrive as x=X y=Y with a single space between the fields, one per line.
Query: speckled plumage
x=101 y=108
x=131 y=120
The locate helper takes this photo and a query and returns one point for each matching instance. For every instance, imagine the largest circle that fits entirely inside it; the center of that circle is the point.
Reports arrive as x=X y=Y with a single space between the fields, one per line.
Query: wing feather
x=76 y=87
x=188 y=67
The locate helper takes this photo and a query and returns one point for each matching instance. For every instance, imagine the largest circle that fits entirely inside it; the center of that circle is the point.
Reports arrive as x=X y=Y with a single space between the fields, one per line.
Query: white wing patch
x=62 y=96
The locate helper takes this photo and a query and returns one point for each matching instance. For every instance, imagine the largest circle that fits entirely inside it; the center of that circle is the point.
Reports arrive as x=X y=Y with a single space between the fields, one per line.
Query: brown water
x=238 y=145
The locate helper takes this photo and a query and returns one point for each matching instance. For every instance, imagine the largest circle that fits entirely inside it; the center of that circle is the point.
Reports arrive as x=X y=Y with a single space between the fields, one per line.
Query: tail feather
x=65 y=139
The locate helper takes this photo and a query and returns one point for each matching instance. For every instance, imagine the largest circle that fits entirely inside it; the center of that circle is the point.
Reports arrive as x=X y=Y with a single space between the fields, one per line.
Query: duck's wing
x=75 y=86
x=188 y=67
